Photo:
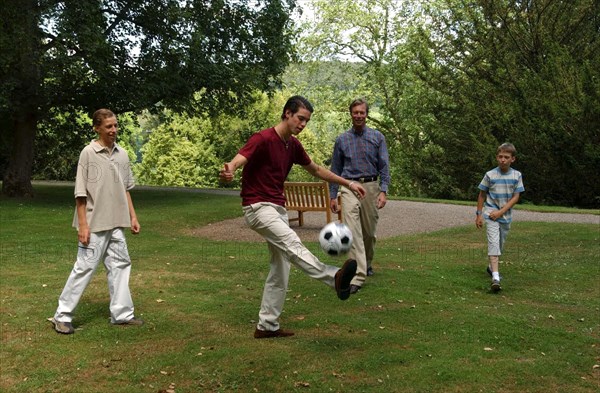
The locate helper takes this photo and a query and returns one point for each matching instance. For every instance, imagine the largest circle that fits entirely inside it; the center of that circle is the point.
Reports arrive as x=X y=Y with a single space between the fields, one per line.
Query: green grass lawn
x=425 y=322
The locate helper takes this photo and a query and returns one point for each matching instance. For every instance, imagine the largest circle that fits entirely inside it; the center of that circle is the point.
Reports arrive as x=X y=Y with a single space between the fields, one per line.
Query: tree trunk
x=17 y=178
x=22 y=17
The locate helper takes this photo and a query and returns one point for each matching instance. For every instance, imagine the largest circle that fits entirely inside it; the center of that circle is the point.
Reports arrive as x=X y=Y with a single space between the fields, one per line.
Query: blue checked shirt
x=360 y=155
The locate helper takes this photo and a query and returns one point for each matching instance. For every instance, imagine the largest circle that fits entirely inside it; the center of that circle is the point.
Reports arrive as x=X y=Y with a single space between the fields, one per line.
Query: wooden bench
x=308 y=197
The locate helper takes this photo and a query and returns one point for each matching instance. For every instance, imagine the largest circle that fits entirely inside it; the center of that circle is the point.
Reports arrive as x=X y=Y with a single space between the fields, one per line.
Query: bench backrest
x=307 y=196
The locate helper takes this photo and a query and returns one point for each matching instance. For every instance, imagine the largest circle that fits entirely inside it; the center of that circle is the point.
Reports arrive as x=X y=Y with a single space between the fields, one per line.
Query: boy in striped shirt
x=499 y=192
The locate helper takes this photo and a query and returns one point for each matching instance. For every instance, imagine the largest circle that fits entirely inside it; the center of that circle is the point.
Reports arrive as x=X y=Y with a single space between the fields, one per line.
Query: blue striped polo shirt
x=500 y=187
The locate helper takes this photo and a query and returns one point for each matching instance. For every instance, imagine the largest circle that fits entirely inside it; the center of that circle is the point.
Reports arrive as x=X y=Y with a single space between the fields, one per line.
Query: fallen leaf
x=301 y=384
x=159 y=300
x=488 y=349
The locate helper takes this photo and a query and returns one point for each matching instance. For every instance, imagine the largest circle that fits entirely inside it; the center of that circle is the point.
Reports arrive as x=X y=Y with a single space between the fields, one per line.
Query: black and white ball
x=335 y=238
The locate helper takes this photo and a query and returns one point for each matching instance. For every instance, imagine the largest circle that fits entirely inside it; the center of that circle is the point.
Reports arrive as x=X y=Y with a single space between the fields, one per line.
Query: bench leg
x=300 y=218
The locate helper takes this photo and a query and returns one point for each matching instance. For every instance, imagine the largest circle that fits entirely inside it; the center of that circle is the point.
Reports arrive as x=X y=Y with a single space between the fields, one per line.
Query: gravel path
x=397 y=218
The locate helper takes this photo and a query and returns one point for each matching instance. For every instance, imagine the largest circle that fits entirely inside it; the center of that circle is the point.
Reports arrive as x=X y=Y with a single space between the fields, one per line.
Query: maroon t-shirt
x=270 y=160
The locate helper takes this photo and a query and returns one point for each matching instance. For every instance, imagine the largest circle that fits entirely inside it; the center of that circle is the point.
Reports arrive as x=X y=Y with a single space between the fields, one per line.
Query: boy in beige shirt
x=103 y=208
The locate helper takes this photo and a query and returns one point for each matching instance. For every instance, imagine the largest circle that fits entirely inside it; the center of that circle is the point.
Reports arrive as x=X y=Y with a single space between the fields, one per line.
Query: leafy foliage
x=523 y=72
x=177 y=154
x=72 y=56
x=330 y=86
x=185 y=150
x=448 y=81
x=61 y=137
x=188 y=150
x=455 y=79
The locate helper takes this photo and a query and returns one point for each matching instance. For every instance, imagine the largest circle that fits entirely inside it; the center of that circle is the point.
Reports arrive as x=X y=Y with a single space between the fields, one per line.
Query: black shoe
x=343 y=278
x=270 y=333
x=496 y=286
x=370 y=271
x=354 y=289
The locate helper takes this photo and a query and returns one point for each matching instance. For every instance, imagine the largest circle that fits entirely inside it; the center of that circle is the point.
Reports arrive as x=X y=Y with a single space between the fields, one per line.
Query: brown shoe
x=343 y=278
x=272 y=333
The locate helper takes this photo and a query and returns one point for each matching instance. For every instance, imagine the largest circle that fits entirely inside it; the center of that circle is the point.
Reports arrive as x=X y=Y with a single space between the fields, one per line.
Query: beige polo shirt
x=104 y=177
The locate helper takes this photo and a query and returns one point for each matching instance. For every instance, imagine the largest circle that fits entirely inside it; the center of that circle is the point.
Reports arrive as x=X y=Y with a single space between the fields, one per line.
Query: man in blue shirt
x=360 y=155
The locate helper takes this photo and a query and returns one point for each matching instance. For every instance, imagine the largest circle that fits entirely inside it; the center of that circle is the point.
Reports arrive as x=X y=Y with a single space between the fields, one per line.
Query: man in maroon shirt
x=267 y=158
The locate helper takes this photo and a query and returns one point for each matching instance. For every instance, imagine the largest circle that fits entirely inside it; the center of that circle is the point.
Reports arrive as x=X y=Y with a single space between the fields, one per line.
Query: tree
x=379 y=34
x=188 y=151
x=330 y=86
x=129 y=55
x=456 y=78
x=179 y=154
x=528 y=73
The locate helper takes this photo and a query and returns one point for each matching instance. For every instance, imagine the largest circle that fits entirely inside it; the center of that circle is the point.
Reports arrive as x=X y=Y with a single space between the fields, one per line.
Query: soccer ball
x=335 y=238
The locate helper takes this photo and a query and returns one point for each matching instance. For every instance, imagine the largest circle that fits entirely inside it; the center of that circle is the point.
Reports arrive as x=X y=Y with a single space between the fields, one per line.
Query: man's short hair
x=359 y=101
x=294 y=104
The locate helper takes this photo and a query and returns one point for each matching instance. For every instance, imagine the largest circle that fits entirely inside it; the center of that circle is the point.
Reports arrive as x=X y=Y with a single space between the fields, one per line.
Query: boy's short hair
x=100 y=115
x=507 y=147
x=294 y=104
x=359 y=101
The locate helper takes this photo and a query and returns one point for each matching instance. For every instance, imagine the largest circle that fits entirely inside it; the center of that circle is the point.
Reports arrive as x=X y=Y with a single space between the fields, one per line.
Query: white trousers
x=496 y=236
x=271 y=222
x=110 y=247
x=361 y=216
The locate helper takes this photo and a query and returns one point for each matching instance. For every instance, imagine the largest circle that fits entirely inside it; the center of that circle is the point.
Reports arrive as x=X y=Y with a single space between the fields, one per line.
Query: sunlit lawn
x=426 y=322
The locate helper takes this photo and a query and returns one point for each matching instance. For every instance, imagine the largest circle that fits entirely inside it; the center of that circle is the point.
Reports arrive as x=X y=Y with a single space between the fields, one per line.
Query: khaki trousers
x=271 y=222
x=110 y=247
x=361 y=216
